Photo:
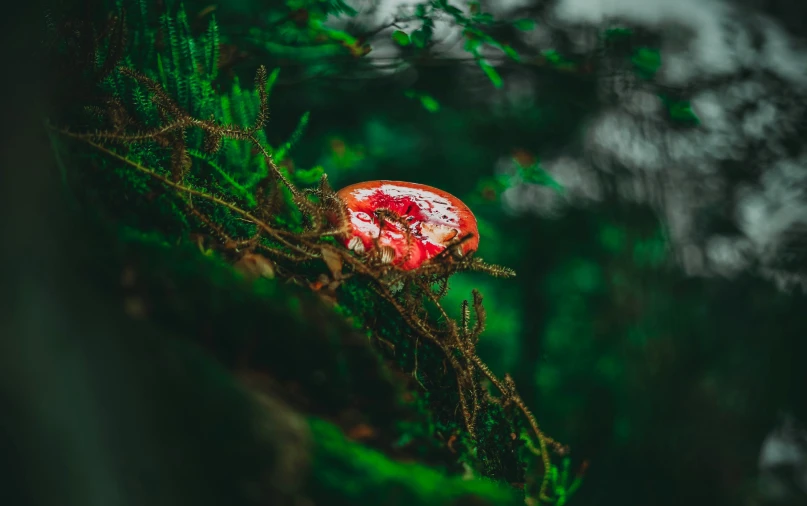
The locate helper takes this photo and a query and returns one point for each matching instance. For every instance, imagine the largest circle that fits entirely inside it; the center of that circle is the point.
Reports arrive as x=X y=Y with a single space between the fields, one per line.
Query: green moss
x=346 y=473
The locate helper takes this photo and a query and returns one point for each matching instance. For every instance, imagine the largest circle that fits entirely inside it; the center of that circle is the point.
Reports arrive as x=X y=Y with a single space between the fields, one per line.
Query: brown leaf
x=134 y=307
x=319 y=283
x=524 y=157
x=255 y=266
x=334 y=262
x=326 y=289
x=128 y=277
x=450 y=443
x=207 y=10
x=361 y=431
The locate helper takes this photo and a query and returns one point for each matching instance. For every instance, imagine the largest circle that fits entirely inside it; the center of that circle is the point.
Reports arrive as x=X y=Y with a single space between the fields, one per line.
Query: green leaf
x=553 y=56
x=452 y=10
x=509 y=51
x=340 y=7
x=489 y=189
x=484 y=18
x=429 y=103
x=681 y=111
x=419 y=38
x=472 y=44
x=448 y=8
x=617 y=33
x=647 y=61
x=212 y=49
x=309 y=176
x=535 y=174
x=340 y=35
x=525 y=25
x=270 y=82
x=491 y=72
x=295 y=136
x=401 y=38
x=558 y=61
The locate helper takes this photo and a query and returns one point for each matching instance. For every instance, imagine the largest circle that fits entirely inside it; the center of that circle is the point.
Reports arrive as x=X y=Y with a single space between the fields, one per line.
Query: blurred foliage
x=663 y=385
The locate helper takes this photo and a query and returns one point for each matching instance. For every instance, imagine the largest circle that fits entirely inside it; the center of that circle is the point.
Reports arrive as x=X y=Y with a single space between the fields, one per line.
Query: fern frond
x=242 y=192
x=143 y=11
x=280 y=153
x=144 y=36
x=238 y=110
x=159 y=96
x=142 y=104
x=176 y=77
x=189 y=66
x=225 y=110
x=479 y=311
x=115 y=37
x=237 y=103
x=270 y=82
x=263 y=99
x=212 y=51
x=228 y=148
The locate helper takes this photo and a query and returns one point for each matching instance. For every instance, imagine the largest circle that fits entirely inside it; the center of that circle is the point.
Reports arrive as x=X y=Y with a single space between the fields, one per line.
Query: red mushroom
x=410 y=223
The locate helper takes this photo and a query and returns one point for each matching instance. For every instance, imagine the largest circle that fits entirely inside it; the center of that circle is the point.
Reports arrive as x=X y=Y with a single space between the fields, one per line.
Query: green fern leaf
x=179 y=80
x=239 y=114
x=189 y=66
x=143 y=105
x=145 y=35
x=212 y=51
x=239 y=190
x=280 y=154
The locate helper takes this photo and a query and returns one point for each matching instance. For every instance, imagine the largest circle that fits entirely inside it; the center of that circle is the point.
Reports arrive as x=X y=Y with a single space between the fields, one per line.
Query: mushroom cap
x=435 y=218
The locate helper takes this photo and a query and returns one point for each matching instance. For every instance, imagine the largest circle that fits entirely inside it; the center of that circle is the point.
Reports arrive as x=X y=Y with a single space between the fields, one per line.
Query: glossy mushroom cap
x=435 y=218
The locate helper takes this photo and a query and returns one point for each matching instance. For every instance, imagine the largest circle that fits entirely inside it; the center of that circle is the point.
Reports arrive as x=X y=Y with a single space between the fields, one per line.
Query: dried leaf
x=326 y=289
x=334 y=262
x=360 y=432
x=255 y=266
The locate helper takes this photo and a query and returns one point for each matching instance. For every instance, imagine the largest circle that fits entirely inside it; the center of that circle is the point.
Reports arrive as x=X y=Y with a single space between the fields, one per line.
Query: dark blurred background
x=658 y=322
